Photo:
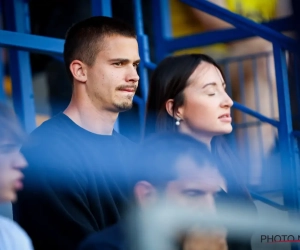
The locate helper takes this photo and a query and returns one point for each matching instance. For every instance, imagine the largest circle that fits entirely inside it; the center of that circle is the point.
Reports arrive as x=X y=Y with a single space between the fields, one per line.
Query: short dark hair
x=83 y=39
x=168 y=81
x=157 y=156
x=10 y=128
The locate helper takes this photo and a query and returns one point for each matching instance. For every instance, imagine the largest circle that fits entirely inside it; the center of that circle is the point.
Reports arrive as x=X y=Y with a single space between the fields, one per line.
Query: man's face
x=11 y=164
x=112 y=80
x=195 y=186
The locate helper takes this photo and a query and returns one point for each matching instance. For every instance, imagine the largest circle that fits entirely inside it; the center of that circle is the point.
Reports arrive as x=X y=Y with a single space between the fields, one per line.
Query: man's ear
x=78 y=70
x=145 y=194
x=178 y=113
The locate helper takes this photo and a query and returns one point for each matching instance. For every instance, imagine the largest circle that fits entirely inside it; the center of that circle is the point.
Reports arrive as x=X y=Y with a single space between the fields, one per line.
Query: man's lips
x=128 y=90
x=18 y=182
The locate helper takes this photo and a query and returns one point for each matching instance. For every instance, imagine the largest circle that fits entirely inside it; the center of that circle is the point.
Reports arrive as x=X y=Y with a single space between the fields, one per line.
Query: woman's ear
x=177 y=114
x=78 y=70
x=145 y=194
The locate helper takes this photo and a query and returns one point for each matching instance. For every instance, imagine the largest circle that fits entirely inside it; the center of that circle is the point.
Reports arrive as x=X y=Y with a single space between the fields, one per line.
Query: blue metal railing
x=16 y=17
x=21 y=43
x=245 y=24
x=2 y=93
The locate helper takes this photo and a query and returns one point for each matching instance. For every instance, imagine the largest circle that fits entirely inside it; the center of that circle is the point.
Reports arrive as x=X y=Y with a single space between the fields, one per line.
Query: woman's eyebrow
x=209 y=84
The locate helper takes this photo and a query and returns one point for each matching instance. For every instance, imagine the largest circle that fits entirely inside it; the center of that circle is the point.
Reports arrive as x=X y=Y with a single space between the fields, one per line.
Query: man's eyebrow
x=123 y=60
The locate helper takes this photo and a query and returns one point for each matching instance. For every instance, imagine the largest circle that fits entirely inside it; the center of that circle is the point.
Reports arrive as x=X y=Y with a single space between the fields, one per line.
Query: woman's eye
x=211 y=94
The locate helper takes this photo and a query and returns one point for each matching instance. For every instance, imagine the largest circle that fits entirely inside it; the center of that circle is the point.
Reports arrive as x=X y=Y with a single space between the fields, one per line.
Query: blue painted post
x=2 y=92
x=145 y=61
x=270 y=84
x=161 y=27
x=101 y=8
x=245 y=135
x=17 y=19
x=285 y=133
x=143 y=49
x=297 y=82
x=257 y=105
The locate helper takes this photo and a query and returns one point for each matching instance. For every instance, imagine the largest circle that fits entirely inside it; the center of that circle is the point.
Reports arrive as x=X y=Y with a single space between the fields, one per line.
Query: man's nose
x=132 y=75
x=19 y=161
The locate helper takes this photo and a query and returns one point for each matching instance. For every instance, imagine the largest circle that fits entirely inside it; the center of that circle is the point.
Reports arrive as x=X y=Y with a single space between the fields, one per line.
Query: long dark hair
x=169 y=81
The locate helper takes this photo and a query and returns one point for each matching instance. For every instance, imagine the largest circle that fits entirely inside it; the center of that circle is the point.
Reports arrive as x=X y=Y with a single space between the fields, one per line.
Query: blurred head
x=178 y=169
x=11 y=160
x=101 y=56
x=189 y=89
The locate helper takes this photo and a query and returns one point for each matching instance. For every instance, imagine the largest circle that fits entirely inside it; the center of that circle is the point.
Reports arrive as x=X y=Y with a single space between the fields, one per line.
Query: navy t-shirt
x=75 y=184
x=111 y=238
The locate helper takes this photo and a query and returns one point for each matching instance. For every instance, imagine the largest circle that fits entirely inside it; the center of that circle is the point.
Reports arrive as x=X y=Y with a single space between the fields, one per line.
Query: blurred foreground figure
x=174 y=170
x=12 y=162
x=76 y=183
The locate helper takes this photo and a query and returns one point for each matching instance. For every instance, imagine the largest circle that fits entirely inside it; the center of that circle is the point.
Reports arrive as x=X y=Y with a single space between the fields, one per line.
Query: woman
x=11 y=163
x=187 y=94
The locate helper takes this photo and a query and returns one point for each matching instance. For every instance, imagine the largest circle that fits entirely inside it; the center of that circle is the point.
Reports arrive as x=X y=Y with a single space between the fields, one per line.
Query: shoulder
x=52 y=147
x=57 y=125
x=51 y=136
x=12 y=236
x=110 y=238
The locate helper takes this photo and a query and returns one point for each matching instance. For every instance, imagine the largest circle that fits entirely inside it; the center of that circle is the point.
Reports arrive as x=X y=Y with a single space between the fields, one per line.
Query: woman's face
x=11 y=164
x=206 y=108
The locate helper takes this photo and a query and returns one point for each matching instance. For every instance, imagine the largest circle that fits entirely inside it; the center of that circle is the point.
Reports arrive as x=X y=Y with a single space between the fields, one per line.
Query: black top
x=112 y=238
x=75 y=184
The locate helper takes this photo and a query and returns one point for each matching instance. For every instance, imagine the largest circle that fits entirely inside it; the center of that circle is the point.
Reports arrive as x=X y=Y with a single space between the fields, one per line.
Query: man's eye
x=193 y=193
x=118 y=64
x=211 y=94
x=136 y=65
x=9 y=148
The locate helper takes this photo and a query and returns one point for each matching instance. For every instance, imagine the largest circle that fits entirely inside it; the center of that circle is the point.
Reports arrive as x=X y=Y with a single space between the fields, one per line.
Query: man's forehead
x=189 y=171
x=117 y=43
x=186 y=166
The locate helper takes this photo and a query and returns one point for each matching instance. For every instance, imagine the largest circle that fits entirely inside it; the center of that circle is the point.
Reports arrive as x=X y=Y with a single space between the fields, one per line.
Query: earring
x=177 y=122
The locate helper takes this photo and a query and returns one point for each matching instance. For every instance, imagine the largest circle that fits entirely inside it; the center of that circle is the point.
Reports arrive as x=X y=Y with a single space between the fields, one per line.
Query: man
x=174 y=169
x=76 y=181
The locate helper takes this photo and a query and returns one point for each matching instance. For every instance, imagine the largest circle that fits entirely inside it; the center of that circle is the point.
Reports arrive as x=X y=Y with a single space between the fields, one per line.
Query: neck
x=202 y=137
x=86 y=115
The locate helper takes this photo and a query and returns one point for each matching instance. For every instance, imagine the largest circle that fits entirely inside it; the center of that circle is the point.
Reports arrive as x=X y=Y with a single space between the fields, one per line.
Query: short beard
x=124 y=106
